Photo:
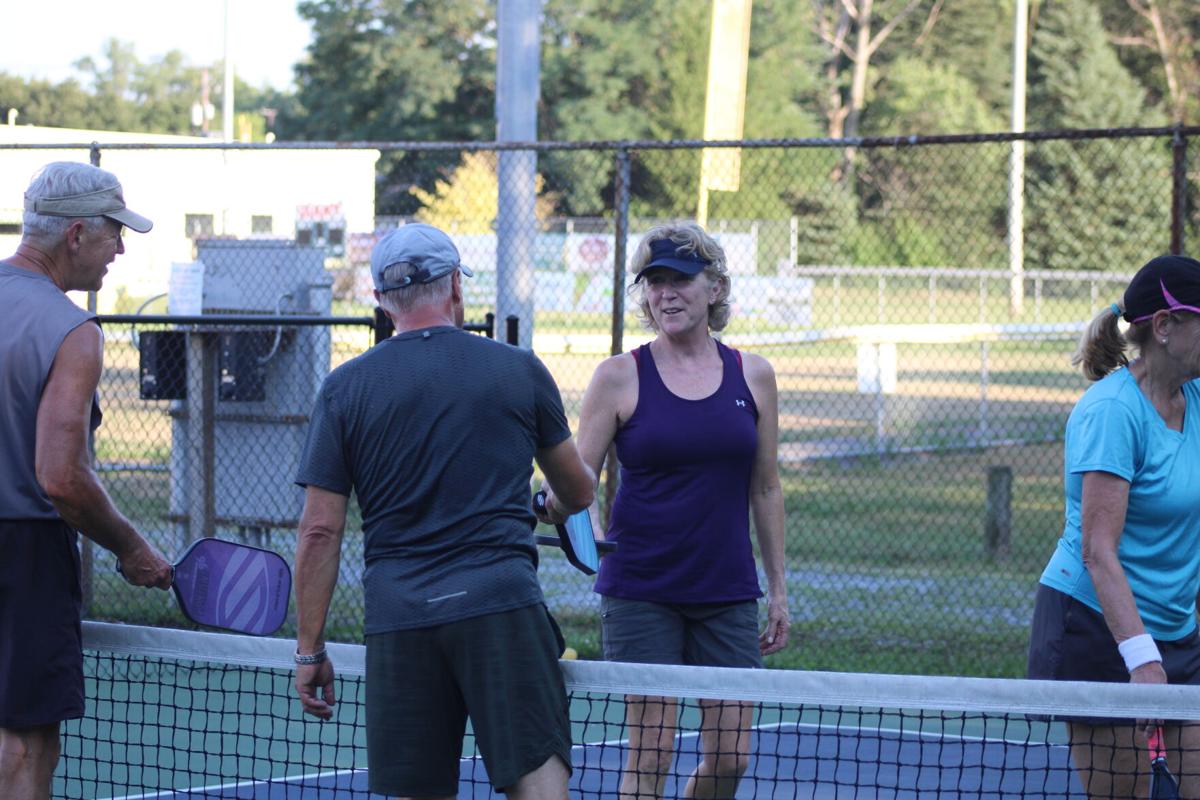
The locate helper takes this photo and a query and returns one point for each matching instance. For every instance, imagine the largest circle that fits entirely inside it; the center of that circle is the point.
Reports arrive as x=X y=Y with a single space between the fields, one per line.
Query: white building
x=310 y=195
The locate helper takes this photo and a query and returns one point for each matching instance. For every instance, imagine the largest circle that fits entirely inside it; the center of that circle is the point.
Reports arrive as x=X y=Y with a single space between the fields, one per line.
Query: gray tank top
x=35 y=317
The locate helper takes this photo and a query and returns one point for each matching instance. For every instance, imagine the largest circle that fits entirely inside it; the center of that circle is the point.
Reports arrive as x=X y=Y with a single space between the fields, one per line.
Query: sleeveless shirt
x=37 y=318
x=681 y=516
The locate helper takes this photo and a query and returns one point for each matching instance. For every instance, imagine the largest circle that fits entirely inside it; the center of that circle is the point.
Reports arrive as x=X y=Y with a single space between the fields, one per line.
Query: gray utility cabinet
x=238 y=434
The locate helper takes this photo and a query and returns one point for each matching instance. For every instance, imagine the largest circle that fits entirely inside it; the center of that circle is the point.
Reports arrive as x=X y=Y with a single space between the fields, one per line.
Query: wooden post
x=997 y=526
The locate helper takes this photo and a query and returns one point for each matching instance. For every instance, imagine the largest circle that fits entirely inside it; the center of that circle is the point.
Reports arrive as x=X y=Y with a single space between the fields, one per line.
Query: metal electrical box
x=162 y=365
x=237 y=437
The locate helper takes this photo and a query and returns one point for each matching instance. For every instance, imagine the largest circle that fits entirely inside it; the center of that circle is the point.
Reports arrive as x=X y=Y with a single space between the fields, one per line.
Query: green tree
x=779 y=92
x=627 y=69
x=39 y=102
x=1087 y=205
x=971 y=37
x=112 y=82
x=397 y=70
x=1156 y=40
x=638 y=70
x=938 y=204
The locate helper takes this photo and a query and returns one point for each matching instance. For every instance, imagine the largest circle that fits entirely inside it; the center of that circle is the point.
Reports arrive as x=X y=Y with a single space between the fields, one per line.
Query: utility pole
x=518 y=80
x=227 y=104
x=1016 y=166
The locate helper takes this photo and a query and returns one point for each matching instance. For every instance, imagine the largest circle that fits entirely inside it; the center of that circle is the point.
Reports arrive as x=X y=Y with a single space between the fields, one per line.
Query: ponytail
x=1102 y=347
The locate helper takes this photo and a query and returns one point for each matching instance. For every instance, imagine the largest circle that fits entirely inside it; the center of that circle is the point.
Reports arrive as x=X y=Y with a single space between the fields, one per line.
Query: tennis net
x=186 y=714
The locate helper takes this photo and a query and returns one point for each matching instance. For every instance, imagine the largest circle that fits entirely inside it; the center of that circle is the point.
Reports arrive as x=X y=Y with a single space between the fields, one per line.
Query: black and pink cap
x=1170 y=283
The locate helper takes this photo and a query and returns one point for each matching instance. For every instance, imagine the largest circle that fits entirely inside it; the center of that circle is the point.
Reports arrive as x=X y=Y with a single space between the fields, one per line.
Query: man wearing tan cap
x=51 y=356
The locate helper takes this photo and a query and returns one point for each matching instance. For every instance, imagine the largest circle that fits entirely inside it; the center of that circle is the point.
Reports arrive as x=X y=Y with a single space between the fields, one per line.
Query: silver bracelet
x=311 y=658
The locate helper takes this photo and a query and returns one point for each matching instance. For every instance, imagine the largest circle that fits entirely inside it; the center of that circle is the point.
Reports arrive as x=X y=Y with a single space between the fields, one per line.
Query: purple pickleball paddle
x=233 y=586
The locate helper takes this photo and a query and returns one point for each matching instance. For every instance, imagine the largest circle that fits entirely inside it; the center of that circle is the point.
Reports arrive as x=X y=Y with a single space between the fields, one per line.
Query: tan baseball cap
x=108 y=202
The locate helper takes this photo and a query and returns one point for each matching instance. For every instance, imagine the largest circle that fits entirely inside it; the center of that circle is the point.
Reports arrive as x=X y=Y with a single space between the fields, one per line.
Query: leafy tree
x=125 y=94
x=971 y=37
x=397 y=70
x=937 y=203
x=1157 y=41
x=39 y=102
x=625 y=70
x=853 y=31
x=112 y=82
x=779 y=105
x=465 y=201
x=637 y=70
x=1086 y=208
x=828 y=229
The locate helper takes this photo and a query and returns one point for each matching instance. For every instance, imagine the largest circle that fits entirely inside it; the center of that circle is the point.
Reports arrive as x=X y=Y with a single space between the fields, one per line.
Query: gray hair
x=410 y=298
x=57 y=179
x=691 y=238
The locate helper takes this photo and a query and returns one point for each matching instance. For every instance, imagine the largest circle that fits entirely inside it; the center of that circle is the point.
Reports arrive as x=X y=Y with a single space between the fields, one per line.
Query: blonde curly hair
x=690 y=238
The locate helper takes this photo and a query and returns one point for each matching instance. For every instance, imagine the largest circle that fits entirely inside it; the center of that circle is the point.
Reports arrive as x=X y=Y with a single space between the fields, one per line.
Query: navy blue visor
x=665 y=253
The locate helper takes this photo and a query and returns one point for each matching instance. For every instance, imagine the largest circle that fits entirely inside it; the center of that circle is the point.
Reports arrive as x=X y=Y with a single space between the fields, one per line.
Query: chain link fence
x=923 y=370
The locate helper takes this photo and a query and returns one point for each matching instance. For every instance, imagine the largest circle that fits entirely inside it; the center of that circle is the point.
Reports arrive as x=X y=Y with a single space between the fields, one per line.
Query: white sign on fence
x=185 y=291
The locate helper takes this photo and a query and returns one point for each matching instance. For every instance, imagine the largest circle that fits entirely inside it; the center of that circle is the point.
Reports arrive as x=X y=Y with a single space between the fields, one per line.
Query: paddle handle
x=1154 y=743
x=553 y=541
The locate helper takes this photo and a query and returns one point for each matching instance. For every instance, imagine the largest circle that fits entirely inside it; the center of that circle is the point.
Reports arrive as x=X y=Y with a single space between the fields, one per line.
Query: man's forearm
x=317 y=556
x=84 y=505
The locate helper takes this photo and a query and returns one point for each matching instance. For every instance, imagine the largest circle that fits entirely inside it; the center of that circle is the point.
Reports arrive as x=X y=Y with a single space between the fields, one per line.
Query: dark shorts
x=500 y=669
x=41 y=643
x=699 y=634
x=1071 y=642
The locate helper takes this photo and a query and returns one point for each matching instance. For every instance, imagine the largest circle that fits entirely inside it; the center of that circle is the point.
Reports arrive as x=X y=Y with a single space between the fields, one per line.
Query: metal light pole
x=1016 y=166
x=227 y=104
x=518 y=78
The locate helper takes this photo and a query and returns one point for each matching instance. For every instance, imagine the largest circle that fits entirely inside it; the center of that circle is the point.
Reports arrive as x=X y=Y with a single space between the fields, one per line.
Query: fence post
x=383 y=325
x=1178 y=190
x=837 y=299
x=985 y=377
x=932 y=299
x=621 y=243
x=794 y=241
x=201 y=390
x=997 y=525
x=621 y=235
x=512 y=330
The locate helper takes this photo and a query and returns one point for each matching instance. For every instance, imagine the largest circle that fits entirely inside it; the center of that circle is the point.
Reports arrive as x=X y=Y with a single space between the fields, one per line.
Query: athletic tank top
x=681 y=516
x=37 y=317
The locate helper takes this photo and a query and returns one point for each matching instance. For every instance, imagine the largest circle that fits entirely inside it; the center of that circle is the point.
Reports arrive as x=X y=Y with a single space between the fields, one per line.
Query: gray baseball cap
x=108 y=202
x=429 y=251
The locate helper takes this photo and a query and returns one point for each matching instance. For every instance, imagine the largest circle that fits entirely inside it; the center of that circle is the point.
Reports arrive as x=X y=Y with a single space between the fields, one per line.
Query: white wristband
x=1139 y=650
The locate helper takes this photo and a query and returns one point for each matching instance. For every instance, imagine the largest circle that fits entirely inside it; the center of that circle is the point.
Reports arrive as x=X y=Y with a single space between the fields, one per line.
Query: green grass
x=885 y=574
x=887 y=566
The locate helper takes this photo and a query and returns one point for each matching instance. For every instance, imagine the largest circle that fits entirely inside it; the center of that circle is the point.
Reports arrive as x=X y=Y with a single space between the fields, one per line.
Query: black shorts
x=1071 y=642
x=41 y=642
x=500 y=669
x=698 y=634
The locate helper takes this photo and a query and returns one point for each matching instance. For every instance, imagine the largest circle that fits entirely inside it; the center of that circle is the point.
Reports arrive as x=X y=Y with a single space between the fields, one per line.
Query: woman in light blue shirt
x=1117 y=601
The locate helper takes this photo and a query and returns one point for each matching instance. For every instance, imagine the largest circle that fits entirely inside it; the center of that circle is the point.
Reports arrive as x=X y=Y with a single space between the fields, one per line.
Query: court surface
x=786 y=761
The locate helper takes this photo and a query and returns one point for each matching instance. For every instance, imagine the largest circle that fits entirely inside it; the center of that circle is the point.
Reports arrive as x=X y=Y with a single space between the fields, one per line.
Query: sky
x=42 y=38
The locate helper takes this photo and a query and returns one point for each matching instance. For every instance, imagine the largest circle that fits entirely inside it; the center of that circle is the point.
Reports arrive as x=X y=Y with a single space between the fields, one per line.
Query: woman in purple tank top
x=695 y=425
